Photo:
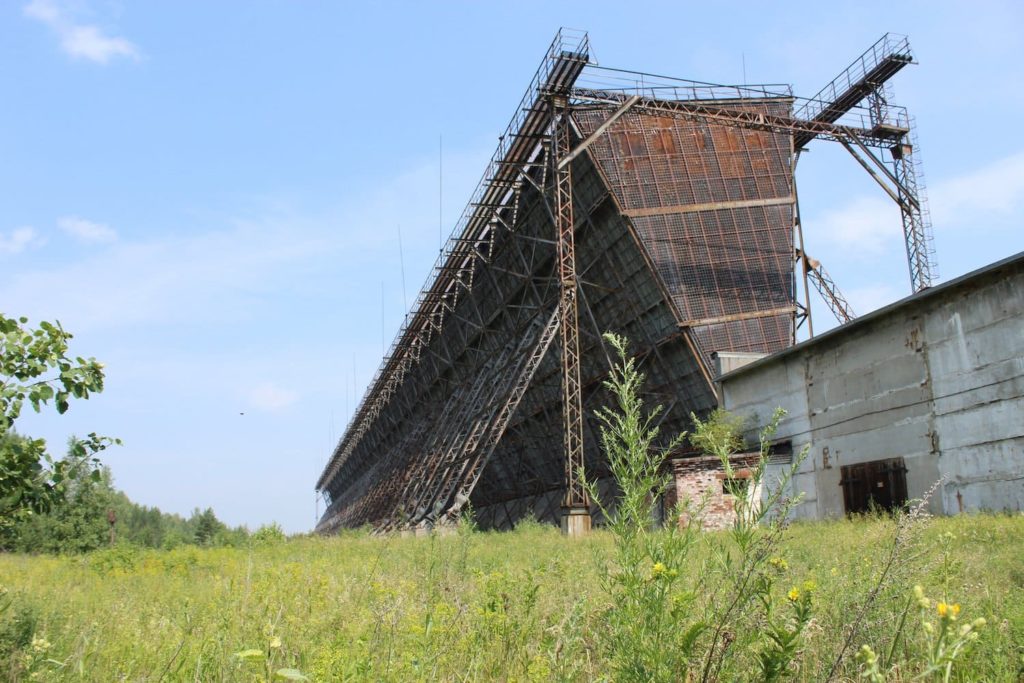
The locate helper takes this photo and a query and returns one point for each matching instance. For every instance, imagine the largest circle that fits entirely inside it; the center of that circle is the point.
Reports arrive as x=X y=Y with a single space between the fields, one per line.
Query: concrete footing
x=444 y=529
x=575 y=522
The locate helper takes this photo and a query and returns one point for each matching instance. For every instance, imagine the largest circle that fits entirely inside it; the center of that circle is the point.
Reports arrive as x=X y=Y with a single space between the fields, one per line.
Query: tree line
x=69 y=504
x=92 y=513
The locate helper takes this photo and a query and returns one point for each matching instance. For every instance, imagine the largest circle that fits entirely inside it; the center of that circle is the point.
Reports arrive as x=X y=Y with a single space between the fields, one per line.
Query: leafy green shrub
x=268 y=534
x=17 y=626
x=121 y=558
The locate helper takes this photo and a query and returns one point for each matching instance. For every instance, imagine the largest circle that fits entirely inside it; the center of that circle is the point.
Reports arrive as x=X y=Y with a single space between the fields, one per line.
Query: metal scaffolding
x=658 y=208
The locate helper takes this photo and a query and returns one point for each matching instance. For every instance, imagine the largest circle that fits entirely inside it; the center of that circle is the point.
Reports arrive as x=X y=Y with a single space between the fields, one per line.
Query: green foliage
x=78 y=522
x=17 y=625
x=207 y=527
x=269 y=533
x=35 y=368
x=665 y=624
x=648 y=636
x=721 y=434
x=526 y=605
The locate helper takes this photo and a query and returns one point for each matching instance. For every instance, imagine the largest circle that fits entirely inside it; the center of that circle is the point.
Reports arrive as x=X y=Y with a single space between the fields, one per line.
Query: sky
x=230 y=204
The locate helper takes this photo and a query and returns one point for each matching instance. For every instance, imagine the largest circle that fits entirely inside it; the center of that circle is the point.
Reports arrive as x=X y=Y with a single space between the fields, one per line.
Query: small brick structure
x=701 y=478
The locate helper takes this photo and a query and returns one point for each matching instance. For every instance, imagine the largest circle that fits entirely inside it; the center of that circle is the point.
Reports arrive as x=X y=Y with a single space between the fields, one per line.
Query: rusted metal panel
x=713 y=205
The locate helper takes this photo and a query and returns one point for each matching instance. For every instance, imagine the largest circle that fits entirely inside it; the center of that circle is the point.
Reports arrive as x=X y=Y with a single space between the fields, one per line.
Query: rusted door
x=879 y=484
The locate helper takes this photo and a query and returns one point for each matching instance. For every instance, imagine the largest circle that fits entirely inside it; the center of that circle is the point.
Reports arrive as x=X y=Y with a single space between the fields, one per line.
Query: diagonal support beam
x=900 y=190
x=580 y=148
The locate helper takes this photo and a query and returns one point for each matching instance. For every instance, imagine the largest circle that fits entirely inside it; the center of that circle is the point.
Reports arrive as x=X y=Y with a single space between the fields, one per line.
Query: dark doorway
x=876 y=485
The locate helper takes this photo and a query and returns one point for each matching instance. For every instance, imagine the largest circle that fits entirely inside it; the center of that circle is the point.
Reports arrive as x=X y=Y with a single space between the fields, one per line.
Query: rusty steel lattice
x=661 y=209
x=572 y=407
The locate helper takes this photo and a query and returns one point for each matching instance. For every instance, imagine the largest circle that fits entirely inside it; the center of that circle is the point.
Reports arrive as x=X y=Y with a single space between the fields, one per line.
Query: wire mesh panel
x=713 y=206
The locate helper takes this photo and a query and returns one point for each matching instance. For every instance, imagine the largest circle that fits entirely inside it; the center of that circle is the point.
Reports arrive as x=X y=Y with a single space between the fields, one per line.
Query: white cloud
x=79 y=40
x=220 y=276
x=15 y=241
x=197 y=278
x=86 y=231
x=270 y=397
x=996 y=188
x=868 y=223
x=871 y=223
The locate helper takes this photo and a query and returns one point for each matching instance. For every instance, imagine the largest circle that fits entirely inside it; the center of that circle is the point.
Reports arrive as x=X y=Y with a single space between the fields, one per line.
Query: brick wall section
x=702 y=478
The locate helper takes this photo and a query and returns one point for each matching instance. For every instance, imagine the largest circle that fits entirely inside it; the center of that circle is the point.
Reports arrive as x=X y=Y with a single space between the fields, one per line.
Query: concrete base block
x=444 y=529
x=575 y=522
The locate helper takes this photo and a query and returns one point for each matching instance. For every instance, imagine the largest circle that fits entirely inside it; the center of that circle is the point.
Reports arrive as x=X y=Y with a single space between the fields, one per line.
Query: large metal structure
x=658 y=208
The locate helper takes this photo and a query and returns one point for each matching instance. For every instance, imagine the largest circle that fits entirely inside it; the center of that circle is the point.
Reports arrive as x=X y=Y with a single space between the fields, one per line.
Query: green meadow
x=527 y=605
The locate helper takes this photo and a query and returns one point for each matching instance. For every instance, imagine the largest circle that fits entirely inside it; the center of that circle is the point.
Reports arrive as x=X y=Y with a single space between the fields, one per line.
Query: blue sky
x=209 y=195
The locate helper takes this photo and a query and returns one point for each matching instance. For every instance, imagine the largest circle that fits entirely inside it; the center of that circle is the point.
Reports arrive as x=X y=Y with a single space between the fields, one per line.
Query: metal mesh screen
x=713 y=206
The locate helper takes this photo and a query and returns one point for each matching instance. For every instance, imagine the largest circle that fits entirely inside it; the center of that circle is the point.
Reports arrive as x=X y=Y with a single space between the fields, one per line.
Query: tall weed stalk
x=663 y=623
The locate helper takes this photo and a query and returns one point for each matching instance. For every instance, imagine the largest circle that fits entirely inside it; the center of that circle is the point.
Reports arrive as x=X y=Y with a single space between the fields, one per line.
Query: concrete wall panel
x=937 y=379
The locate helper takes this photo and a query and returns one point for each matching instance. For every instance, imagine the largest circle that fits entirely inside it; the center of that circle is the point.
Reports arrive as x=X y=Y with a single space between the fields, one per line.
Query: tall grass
x=524 y=605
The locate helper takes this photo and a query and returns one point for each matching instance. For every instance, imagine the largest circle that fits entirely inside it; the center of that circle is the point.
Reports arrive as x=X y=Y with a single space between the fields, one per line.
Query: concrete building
x=929 y=388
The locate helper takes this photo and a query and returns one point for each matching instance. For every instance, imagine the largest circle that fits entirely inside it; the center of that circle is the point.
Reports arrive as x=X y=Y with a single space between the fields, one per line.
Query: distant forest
x=80 y=521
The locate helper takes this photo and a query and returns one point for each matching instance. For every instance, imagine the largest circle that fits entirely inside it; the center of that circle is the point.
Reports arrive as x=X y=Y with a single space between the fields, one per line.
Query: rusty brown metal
x=576 y=500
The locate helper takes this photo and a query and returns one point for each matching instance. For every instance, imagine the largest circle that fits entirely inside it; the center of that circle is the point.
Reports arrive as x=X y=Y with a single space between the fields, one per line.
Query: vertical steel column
x=794 y=156
x=576 y=504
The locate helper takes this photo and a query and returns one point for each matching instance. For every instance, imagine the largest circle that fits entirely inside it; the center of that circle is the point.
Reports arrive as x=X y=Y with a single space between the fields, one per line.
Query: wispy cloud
x=86 y=231
x=270 y=397
x=194 y=278
x=867 y=223
x=871 y=224
x=80 y=40
x=191 y=276
x=996 y=188
x=17 y=240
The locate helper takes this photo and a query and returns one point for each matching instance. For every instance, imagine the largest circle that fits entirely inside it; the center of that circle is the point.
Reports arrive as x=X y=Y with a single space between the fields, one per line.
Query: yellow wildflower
x=658 y=569
x=793 y=594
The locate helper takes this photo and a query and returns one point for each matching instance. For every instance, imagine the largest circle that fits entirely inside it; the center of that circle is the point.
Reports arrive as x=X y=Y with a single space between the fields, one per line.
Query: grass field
x=518 y=606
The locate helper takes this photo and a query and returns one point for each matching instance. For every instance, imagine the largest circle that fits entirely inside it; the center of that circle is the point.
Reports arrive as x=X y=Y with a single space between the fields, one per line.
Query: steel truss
x=576 y=498
x=415 y=450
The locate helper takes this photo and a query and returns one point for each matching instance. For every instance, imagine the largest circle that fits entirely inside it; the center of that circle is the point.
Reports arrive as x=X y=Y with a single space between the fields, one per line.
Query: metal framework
x=659 y=208
x=572 y=402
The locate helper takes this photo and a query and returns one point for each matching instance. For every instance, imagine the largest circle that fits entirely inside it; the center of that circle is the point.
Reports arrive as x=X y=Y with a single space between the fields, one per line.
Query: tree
x=35 y=368
x=75 y=523
x=207 y=526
